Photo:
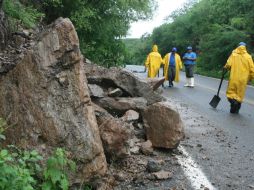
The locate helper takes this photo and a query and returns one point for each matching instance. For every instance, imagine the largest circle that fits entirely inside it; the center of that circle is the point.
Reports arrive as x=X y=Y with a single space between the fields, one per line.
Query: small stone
x=153 y=166
x=130 y=116
x=163 y=175
x=119 y=176
x=146 y=148
x=151 y=177
x=199 y=145
x=134 y=150
x=115 y=93
x=95 y=91
x=142 y=162
x=155 y=153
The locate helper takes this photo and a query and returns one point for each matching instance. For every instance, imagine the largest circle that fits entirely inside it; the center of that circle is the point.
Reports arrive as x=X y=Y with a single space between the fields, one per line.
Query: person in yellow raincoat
x=172 y=66
x=241 y=68
x=153 y=62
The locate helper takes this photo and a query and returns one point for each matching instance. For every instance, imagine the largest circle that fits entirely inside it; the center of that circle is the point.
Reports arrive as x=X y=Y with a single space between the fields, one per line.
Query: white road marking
x=191 y=170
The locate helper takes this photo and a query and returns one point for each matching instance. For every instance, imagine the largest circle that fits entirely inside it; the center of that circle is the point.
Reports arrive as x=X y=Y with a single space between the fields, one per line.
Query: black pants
x=171 y=74
x=234 y=105
x=189 y=71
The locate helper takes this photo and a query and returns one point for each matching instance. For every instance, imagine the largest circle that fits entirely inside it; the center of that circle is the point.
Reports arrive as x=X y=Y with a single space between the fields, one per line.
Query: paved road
x=224 y=148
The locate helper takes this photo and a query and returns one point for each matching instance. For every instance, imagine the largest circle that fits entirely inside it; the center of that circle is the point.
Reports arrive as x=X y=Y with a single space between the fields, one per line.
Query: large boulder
x=123 y=79
x=163 y=125
x=47 y=100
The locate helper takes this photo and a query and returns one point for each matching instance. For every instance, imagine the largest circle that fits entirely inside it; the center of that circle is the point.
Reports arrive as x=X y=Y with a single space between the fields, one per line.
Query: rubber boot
x=187 y=82
x=192 y=82
x=234 y=106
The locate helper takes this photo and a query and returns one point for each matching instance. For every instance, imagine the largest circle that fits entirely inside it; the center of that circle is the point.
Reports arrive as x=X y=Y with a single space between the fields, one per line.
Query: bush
x=55 y=174
x=23 y=170
x=27 y=15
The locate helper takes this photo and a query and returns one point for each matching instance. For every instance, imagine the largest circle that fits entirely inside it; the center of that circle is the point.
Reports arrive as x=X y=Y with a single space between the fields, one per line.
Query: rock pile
x=57 y=98
x=133 y=120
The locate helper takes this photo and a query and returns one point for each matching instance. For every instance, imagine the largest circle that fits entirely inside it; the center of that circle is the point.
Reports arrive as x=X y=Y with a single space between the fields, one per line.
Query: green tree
x=215 y=27
x=100 y=24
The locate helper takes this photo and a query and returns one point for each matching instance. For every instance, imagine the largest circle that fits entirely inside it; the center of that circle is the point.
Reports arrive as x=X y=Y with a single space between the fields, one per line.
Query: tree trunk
x=3 y=28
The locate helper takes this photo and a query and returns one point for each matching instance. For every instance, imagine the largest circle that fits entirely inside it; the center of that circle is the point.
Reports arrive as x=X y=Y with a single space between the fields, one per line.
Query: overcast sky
x=165 y=8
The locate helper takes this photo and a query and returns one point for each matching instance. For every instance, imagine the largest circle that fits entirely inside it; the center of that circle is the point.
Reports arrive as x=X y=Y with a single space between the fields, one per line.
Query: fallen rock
x=130 y=116
x=163 y=125
x=115 y=93
x=120 y=176
x=118 y=106
x=155 y=82
x=153 y=166
x=95 y=91
x=146 y=148
x=134 y=141
x=134 y=150
x=115 y=134
x=120 y=78
x=46 y=97
x=163 y=175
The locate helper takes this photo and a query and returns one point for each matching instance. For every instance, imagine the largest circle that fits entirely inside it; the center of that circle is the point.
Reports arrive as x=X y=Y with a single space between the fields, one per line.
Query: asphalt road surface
x=218 y=144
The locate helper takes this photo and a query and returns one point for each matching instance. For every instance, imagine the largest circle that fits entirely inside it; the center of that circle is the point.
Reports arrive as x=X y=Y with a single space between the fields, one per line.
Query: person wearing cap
x=189 y=63
x=172 y=65
x=241 y=67
x=153 y=62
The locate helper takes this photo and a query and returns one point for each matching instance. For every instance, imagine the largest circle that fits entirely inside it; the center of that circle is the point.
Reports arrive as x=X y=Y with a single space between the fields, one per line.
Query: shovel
x=216 y=99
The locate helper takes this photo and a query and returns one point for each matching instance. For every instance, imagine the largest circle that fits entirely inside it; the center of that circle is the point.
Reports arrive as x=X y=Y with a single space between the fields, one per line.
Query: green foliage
x=217 y=46
x=101 y=24
x=22 y=169
x=55 y=174
x=27 y=15
x=87 y=187
x=137 y=48
x=17 y=169
x=213 y=27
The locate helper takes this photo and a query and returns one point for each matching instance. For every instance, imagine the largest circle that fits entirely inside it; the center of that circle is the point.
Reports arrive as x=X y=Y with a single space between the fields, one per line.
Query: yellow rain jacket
x=153 y=62
x=178 y=65
x=241 y=68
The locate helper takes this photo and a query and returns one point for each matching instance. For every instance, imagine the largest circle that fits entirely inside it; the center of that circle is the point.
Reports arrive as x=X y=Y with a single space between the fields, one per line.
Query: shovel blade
x=215 y=101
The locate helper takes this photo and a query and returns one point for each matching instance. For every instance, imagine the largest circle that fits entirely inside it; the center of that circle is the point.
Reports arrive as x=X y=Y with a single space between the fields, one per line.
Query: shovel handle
x=224 y=71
